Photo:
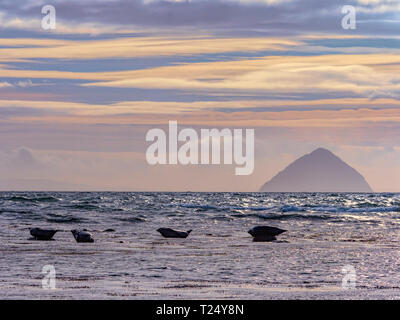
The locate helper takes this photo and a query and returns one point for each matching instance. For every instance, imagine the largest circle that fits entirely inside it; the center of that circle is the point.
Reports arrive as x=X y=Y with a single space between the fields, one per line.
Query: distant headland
x=318 y=171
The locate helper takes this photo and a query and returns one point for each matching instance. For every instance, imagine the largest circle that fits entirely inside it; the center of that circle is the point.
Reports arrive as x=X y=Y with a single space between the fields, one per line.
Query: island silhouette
x=318 y=171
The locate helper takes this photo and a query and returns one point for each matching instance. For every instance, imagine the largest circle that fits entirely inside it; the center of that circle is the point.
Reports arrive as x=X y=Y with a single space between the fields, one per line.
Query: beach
x=326 y=232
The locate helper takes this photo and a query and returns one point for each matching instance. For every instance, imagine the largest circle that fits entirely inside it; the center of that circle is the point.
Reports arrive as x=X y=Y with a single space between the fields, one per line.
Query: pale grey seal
x=265 y=233
x=82 y=236
x=170 y=233
x=42 y=234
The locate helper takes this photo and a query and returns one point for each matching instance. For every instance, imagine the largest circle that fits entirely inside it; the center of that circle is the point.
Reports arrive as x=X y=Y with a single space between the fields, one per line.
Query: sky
x=77 y=101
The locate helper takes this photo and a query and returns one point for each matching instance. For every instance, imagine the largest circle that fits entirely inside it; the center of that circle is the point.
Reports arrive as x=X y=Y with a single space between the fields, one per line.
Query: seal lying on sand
x=170 y=233
x=42 y=234
x=82 y=236
x=265 y=233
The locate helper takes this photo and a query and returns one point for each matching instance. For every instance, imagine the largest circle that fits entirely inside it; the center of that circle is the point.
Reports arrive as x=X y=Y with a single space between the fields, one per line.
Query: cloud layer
x=229 y=16
x=76 y=102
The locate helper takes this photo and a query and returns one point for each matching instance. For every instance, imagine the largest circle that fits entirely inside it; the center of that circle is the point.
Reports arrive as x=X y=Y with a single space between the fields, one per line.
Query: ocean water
x=326 y=232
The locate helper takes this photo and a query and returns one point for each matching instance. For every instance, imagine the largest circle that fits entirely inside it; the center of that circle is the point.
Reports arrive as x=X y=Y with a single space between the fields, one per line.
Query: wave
x=199 y=207
x=132 y=219
x=36 y=199
x=363 y=208
x=281 y=217
x=83 y=207
x=65 y=219
x=375 y=209
x=223 y=208
x=23 y=212
x=289 y=208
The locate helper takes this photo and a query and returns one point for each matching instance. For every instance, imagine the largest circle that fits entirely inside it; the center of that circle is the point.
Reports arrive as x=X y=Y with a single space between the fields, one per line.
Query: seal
x=265 y=233
x=42 y=234
x=170 y=233
x=82 y=236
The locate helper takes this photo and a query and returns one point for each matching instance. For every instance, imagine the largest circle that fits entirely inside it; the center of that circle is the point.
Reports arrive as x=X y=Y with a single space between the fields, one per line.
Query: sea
x=337 y=246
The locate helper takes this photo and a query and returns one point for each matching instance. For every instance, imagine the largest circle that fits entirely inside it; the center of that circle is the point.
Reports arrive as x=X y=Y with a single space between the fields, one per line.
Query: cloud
x=371 y=75
x=130 y=47
x=24 y=84
x=352 y=74
x=24 y=157
x=5 y=85
x=17 y=159
x=333 y=113
x=276 y=17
